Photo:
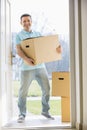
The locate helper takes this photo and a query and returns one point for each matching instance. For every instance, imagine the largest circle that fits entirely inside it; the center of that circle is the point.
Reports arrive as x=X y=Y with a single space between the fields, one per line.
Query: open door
x=5 y=63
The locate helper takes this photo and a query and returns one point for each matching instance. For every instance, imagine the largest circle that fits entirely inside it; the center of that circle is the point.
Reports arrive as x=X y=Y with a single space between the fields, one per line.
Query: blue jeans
x=40 y=75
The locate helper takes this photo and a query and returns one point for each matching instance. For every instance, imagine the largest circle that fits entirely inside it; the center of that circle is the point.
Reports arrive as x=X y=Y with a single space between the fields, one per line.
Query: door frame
x=5 y=63
x=76 y=63
x=72 y=62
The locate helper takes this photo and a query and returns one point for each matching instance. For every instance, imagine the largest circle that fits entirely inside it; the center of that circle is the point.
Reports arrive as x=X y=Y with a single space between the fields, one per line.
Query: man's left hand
x=59 y=49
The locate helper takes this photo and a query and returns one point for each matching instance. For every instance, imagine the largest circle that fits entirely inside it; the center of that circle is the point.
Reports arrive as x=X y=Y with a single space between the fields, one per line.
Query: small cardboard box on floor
x=61 y=87
x=41 y=49
x=61 y=84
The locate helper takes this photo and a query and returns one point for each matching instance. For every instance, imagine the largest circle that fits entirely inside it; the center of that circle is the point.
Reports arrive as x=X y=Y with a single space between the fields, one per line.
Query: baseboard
x=78 y=126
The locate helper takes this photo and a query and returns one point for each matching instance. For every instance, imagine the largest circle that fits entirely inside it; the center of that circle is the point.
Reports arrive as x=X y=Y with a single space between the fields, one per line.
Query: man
x=31 y=72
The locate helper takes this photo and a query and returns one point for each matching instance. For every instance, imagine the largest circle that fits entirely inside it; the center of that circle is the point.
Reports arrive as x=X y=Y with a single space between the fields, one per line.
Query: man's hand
x=29 y=61
x=59 y=49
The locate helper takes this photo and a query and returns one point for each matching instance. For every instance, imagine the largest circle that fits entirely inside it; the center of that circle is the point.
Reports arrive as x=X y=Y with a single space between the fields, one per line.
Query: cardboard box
x=61 y=84
x=65 y=109
x=41 y=49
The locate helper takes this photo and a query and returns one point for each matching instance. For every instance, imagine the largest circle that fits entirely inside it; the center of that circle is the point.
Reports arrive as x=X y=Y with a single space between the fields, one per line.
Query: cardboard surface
x=41 y=49
x=61 y=84
x=65 y=109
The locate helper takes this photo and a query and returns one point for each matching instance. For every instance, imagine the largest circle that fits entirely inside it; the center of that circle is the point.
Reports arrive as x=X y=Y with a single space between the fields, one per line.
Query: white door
x=5 y=63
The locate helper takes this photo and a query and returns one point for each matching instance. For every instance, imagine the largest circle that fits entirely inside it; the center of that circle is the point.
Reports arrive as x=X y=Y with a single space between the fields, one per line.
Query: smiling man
x=30 y=72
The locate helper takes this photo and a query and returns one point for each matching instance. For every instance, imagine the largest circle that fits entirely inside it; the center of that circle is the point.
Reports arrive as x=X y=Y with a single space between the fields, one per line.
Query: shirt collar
x=27 y=31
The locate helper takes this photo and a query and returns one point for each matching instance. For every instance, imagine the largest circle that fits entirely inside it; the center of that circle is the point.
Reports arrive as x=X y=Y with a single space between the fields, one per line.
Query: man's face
x=26 y=22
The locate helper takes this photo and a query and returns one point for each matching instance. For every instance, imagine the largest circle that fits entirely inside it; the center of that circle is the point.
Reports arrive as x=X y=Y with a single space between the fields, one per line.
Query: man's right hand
x=20 y=52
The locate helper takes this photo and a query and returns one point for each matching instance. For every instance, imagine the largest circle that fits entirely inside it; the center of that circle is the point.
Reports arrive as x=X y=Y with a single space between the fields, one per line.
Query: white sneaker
x=21 y=119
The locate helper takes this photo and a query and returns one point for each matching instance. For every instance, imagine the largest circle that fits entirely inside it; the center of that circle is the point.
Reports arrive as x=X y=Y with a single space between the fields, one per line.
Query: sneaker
x=47 y=115
x=21 y=119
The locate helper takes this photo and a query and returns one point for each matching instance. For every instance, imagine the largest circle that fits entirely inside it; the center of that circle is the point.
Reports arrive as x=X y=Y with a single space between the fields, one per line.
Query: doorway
x=51 y=28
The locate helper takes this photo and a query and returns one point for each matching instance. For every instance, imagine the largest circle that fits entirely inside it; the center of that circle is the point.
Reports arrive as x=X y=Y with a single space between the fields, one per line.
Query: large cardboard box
x=65 y=109
x=61 y=84
x=41 y=49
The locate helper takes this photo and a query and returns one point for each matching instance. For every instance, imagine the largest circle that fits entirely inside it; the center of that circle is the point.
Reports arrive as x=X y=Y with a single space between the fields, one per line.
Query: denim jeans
x=26 y=77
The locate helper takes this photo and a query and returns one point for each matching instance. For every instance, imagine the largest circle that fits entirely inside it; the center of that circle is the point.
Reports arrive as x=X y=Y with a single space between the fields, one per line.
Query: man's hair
x=24 y=15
